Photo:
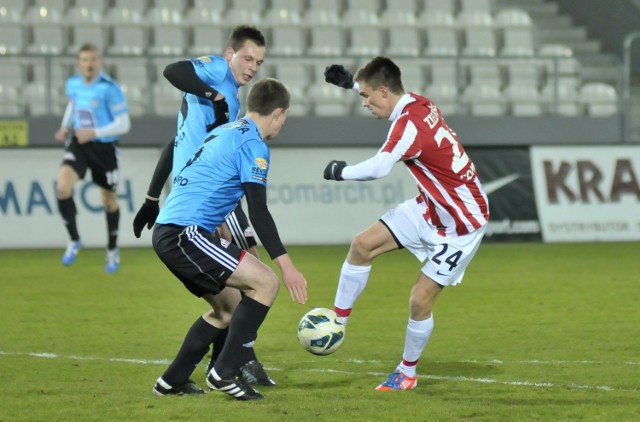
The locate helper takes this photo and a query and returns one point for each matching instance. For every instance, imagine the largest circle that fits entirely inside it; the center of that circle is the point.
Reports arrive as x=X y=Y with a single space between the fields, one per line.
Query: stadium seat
x=33 y=95
x=524 y=99
x=244 y=12
x=100 y=5
x=82 y=33
x=46 y=12
x=472 y=6
x=330 y=100
x=297 y=76
x=598 y=99
x=484 y=100
x=518 y=32
x=164 y=16
x=413 y=74
x=518 y=42
x=559 y=60
x=166 y=99
x=445 y=97
x=83 y=15
x=400 y=13
x=441 y=42
x=326 y=41
x=480 y=42
x=287 y=41
x=322 y=13
x=13 y=72
x=560 y=96
x=137 y=98
x=168 y=40
x=283 y=12
x=404 y=41
x=483 y=72
x=361 y=13
x=435 y=6
x=128 y=40
x=435 y=19
x=208 y=40
x=12 y=38
x=365 y=41
x=205 y=12
x=133 y=72
x=48 y=39
x=11 y=103
x=12 y=11
x=126 y=12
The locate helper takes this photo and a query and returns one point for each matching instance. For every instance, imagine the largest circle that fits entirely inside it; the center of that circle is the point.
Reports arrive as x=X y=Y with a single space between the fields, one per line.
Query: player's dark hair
x=381 y=71
x=266 y=95
x=242 y=33
x=88 y=47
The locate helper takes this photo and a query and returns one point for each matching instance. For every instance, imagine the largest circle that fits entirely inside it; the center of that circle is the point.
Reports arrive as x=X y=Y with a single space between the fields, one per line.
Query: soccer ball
x=321 y=331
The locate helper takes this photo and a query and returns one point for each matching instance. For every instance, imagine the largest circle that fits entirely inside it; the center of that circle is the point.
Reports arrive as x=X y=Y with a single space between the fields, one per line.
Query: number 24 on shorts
x=451 y=258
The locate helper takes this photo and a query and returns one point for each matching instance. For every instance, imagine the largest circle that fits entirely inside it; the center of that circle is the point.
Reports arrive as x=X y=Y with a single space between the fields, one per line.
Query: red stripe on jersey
x=443 y=170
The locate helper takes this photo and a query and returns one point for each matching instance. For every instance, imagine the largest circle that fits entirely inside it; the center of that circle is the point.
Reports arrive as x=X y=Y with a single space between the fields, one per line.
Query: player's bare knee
x=360 y=251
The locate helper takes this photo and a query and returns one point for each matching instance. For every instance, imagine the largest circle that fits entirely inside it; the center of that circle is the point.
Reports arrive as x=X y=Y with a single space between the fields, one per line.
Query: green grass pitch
x=535 y=332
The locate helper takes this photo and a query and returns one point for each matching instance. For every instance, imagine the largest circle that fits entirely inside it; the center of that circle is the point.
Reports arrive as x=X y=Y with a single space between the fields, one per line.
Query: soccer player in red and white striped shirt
x=443 y=225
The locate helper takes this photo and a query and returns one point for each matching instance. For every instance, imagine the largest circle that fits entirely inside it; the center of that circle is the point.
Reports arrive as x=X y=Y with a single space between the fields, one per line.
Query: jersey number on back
x=460 y=159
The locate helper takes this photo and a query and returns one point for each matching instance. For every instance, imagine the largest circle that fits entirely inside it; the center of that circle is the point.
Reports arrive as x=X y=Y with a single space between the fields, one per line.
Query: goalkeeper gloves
x=221 y=110
x=333 y=171
x=336 y=74
x=147 y=214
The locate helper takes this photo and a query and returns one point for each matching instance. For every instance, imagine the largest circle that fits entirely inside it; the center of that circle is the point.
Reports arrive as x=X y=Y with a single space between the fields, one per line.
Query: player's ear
x=278 y=114
x=228 y=54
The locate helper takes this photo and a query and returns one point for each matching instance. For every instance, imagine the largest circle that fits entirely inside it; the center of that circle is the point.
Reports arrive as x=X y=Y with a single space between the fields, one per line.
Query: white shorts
x=448 y=257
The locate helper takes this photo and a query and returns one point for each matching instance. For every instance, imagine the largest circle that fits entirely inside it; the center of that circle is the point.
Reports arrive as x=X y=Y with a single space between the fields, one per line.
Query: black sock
x=113 y=218
x=67 y=208
x=194 y=347
x=243 y=331
x=218 y=344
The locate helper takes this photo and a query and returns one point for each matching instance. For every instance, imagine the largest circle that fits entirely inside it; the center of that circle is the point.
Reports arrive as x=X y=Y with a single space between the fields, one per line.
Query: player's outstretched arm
x=149 y=210
x=267 y=231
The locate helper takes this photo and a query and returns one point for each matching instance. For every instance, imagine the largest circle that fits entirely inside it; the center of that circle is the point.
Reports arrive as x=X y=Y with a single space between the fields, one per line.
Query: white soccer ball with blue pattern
x=321 y=331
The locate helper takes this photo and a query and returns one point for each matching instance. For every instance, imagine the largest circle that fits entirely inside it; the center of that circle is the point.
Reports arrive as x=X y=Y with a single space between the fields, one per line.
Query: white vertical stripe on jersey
x=450 y=220
x=211 y=249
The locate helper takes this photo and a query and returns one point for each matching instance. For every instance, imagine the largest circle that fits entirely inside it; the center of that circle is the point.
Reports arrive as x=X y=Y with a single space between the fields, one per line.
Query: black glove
x=147 y=214
x=221 y=109
x=336 y=74
x=333 y=171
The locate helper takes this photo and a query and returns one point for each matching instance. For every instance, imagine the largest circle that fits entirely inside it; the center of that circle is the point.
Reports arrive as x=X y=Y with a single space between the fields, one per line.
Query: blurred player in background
x=445 y=223
x=96 y=115
x=210 y=85
x=232 y=162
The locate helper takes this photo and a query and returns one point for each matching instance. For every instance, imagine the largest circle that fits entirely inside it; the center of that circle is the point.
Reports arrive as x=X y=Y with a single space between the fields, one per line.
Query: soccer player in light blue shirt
x=232 y=162
x=210 y=85
x=96 y=115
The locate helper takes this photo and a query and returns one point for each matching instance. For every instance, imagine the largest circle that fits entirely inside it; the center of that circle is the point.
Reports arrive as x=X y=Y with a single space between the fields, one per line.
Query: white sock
x=416 y=338
x=353 y=279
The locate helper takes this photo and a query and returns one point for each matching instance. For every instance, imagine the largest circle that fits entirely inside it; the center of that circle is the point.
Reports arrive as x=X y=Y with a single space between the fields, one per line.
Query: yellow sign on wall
x=14 y=133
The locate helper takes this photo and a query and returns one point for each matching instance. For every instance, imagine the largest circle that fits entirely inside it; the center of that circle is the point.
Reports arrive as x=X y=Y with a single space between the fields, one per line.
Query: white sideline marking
x=376 y=374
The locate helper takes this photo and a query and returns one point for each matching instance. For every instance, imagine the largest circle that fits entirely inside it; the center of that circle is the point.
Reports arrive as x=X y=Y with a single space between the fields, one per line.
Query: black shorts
x=241 y=232
x=200 y=260
x=101 y=157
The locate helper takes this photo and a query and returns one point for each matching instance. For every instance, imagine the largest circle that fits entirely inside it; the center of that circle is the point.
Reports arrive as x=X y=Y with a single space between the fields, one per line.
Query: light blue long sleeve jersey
x=209 y=186
x=197 y=112
x=95 y=104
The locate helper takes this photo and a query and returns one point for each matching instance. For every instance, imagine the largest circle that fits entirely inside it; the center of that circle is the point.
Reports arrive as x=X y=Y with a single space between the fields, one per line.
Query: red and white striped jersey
x=446 y=176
